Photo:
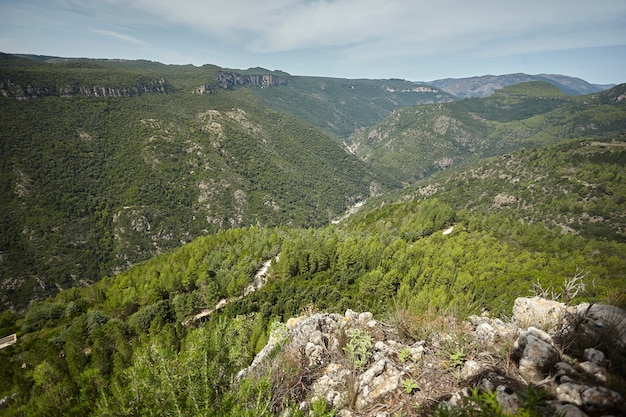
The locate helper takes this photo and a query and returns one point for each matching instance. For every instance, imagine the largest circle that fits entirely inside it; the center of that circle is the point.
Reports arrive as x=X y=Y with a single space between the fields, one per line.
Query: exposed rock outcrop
x=362 y=367
x=20 y=92
x=227 y=80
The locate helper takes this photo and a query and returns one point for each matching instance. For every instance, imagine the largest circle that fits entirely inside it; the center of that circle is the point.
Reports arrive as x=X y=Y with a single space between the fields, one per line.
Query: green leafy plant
x=320 y=408
x=458 y=358
x=405 y=355
x=409 y=385
x=358 y=347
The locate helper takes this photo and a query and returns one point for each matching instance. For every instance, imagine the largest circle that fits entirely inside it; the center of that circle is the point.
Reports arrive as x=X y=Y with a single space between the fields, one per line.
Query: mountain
x=425 y=262
x=485 y=85
x=340 y=107
x=181 y=226
x=415 y=142
x=106 y=163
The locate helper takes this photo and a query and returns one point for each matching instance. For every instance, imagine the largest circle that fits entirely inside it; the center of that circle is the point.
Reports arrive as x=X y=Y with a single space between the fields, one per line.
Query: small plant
x=320 y=408
x=405 y=355
x=410 y=385
x=458 y=358
x=358 y=347
x=533 y=399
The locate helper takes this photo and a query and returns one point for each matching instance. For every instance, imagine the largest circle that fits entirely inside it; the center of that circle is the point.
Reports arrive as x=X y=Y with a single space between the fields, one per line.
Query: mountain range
x=161 y=223
x=485 y=85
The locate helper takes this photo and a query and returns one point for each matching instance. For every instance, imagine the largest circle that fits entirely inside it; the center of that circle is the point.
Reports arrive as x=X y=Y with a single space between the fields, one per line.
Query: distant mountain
x=415 y=142
x=340 y=106
x=483 y=86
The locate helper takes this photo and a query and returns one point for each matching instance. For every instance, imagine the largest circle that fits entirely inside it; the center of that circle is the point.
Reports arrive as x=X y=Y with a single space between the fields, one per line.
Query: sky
x=410 y=39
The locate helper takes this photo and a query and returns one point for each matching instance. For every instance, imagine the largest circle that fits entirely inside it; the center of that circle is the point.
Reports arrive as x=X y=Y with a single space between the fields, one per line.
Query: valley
x=161 y=225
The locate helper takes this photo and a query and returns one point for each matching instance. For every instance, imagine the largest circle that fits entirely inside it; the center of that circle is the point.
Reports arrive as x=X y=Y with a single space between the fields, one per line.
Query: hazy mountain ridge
x=485 y=85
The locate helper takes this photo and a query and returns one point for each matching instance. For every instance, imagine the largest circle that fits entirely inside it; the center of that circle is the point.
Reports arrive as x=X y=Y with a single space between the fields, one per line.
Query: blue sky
x=415 y=40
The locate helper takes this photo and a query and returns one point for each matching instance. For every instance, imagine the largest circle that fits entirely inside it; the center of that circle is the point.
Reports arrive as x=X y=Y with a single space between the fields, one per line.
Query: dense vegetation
x=91 y=186
x=416 y=142
x=119 y=347
x=341 y=106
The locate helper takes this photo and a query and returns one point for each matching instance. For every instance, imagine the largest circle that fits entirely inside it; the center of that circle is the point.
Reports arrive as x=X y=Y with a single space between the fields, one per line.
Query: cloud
x=287 y=25
x=120 y=36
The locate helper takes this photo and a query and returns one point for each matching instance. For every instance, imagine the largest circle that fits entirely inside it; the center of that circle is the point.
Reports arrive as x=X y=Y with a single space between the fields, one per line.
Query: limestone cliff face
x=228 y=80
x=21 y=92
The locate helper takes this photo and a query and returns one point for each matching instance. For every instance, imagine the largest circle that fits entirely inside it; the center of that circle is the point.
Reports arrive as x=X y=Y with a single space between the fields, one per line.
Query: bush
x=41 y=315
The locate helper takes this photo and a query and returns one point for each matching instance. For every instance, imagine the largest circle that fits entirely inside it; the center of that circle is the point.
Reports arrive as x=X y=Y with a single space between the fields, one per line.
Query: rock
x=381 y=378
x=595 y=356
x=569 y=410
x=485 y=331
x=536 y=356
x=598 y=373
x=589 y=398
x=331 y=384
x=601 y=321
x=470 y=369
x=570 y=393
x=563 y=369
x=601 y=399
x=540 y=334
x=417 y=350
x=538 y=312
x=509 y=402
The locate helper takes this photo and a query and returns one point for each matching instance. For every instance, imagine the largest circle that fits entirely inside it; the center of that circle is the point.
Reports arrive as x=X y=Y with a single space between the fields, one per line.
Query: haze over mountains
x=485 y=85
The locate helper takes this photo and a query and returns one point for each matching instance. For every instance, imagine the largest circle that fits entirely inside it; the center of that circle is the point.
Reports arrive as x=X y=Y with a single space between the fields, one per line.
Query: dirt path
x=260 y=279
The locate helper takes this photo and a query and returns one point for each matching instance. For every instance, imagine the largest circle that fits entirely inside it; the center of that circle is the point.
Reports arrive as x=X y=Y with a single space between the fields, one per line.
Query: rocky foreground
x=548 y=359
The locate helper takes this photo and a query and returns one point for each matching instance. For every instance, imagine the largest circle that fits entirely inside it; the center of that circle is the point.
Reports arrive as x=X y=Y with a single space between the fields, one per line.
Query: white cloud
x=121 y=36
x=334 y=36
x=284 y=25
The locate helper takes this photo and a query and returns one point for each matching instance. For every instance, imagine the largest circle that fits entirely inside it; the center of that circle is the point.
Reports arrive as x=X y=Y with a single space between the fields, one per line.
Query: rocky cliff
x=548 y=359
x=25 y=92
x=229 y=80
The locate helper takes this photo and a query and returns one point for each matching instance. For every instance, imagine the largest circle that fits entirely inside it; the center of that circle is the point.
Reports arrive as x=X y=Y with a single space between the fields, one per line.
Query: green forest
x=133 y=227
x=98 y=350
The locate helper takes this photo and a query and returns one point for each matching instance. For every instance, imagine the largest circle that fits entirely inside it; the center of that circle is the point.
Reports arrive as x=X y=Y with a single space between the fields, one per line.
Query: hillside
x=417 y=262
x=175 y=241
x=485 y=85
x=99 y=173
x=339 y=107
x=415 y=142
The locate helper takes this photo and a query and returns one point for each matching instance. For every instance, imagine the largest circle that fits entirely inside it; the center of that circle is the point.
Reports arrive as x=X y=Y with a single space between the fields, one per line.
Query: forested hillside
x=96 y=350
x=340 y=107
x=416 y=142
x=147 y=200
x=99 y=174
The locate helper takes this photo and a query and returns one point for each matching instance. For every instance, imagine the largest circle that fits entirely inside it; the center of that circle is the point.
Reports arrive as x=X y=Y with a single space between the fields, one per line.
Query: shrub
x=358 y=348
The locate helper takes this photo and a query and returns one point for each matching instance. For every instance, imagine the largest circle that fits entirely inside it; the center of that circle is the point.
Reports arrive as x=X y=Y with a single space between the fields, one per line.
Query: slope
x=341 y=106
x=416 y=142
x=99 y=173
x=91 y=351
